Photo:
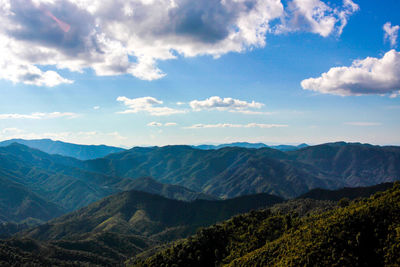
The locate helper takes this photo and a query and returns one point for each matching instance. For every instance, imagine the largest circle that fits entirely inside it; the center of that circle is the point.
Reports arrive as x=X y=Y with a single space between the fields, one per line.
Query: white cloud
x=230 y=104
x=96 y=107
x=159 y=124
x=230 y=125
x=147 y=104
x=317 y=17
x=367 y=76
x=391 y=33
x=362 y=124
x=38 y=115
x=115 y=37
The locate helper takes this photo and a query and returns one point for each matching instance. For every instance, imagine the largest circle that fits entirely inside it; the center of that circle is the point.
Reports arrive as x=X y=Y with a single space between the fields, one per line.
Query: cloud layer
x=115 y=37
x=38 y=115
x=367 y=76
x=230 y=125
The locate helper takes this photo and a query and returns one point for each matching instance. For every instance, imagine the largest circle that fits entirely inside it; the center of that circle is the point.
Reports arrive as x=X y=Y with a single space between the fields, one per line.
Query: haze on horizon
x=159 y=72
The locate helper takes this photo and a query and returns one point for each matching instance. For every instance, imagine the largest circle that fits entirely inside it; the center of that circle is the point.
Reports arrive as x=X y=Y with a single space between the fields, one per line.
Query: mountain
x=54 y=177
x=126 y=224
x=354 y=164
x=347 y=192
x=364 y=233
x=226 y=172
x=251 y=145
x=149 y=185
x=235 y=171
x=63 y=184
x=82 y=152
x=18 y=204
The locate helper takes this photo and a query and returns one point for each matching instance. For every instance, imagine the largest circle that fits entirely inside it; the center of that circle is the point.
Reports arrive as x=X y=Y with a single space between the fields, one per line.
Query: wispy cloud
x=316 y=16
x=363 y=124
x=38 y=115
x=230 y=125
x=148 y=105
x=391 y=33
x=159 y=124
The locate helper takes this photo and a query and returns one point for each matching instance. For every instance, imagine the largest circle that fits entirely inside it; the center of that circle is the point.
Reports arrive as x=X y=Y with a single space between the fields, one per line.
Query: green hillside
x=363 y=233
x=144 y=214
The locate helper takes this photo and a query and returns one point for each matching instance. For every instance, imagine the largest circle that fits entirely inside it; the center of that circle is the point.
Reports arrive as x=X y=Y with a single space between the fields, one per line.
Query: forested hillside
x=362 y=233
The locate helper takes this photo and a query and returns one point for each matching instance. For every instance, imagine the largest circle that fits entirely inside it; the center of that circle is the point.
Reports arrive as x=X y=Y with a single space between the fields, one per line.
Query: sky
x=159 y=72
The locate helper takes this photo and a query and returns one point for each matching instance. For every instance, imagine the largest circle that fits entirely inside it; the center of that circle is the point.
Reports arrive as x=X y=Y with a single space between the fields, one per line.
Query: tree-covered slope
x=82 y=152
x=17 y=204
x=347 y=192
x=149 y=185
x=364 y=233
x=148 y=215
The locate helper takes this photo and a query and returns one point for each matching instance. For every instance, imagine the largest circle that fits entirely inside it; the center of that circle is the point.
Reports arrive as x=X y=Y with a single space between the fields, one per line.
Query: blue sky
x=210 y=72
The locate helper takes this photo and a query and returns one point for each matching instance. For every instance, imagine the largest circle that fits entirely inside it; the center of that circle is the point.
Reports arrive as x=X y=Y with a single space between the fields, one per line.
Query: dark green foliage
x=149 y=185
x=82 y=152
x=348 y=192
x=364 y=233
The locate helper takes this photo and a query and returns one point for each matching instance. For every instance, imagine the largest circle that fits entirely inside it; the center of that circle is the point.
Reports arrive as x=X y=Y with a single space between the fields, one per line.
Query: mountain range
x=82 y=152
x=252 y=145
x=140 y=224
x=182 y=172
x=235 y=171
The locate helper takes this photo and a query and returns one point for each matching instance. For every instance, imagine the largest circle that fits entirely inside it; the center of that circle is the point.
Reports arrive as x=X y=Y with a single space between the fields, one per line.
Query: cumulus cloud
x=391 y=33
x=230 y=125
x=38 y=115
x=230 y=104
x=115 y=37
x=363 y=124
x=146 y=104
x=367 y=76
x=317 y=17
x=159 y=124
